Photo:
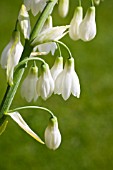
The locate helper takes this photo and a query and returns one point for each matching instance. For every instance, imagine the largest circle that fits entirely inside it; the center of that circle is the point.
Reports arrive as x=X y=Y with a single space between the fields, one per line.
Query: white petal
x=57 y=68
x=75 y=22
x=87 y=29
x=59 y=83
x=75 y=85
x=63 y=7
x=67 y=83
x=47 y=47
x=19 y=120
x=5 y=55
x=27 y=4
x=51 y=34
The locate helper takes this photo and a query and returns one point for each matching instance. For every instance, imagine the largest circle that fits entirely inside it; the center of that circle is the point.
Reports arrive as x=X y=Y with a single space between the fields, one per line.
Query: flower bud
x=24 y=22
x=45 y=83
x=87 y=29
x=52 y=134
x=28 y=88
x=63 y=7
x=75 y=22
x=11 y=55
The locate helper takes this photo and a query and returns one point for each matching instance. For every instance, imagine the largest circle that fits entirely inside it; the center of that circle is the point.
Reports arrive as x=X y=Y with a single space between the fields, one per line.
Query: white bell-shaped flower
x=51 y=34
x=63 y=7
x=36 y=6
x=51 y=46
x=75 y=22
x=47 y=47
x=45 y=83
x=20 y=121
x=67 y=81
x=87 y=28
x=24 y=21
x=52 y=134
x=57 y=68
x=28 y=88
x=11 y=55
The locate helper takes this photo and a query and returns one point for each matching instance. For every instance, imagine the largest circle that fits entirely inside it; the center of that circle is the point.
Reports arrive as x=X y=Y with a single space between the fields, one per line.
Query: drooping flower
x=45 y=83
x=75 y=22
x=35 y=6
x=87 y=28
x=52 y=134
x=28 y=88
x=97 y=2
x=20 y=121
x=63 y=7
x=24 y=22
x=67 y=81
x=51 y=46
x=11 y=55
x=57 y=67
x=51 y=34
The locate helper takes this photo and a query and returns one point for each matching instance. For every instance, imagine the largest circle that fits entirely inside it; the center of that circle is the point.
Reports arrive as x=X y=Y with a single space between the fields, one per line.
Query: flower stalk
x=11 y=91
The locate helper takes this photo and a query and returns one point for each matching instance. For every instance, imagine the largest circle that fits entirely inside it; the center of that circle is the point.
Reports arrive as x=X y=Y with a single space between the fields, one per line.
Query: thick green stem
x=11 y=91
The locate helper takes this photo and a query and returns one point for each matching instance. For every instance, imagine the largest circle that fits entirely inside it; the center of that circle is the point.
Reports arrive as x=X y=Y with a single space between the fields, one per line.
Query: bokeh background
x=86 y=124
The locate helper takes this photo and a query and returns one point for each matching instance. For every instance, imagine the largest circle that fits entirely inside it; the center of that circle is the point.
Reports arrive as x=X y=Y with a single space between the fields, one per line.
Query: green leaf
x=3 y=126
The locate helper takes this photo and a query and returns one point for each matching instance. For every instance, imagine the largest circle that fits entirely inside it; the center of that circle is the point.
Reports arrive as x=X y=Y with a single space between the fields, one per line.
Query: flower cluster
x=44 y=38
x=58 y=80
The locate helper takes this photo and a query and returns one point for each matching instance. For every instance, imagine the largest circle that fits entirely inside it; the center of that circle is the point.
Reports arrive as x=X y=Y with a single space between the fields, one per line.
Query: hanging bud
x=24 y=22
x=75 y=23
x=87 y=29
x=63 y=7
x=52 y=134
x=11 y=55
x=45 y=83
x=28 y=88
x=57 y=68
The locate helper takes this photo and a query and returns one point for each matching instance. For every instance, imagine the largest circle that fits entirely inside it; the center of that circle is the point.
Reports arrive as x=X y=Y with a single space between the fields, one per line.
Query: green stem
x=11 y=91
x=65 y=46
x=31 y=107
x=29 y=59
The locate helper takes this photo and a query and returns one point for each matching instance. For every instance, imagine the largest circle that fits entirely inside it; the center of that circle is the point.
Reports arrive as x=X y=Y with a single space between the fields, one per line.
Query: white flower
x=19 y=120
x=52 y=134
x=51 y=46
x=97 y=2
x=28 y=88
x=57 y=67
x=47 y=47
x=63 y=7
x=24 y=22
x=51 y=34
x=45 y=83
x=87 y=28
x=11 y=55
x=36 y=6
x=75 y=22
x=67 y=81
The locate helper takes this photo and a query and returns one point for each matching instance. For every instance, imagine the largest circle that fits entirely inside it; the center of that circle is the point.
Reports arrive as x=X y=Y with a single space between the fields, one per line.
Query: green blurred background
x=86 y=124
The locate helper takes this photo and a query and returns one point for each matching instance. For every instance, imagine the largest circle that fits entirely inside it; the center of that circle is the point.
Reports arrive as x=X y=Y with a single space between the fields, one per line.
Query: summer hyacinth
x=43 y=79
